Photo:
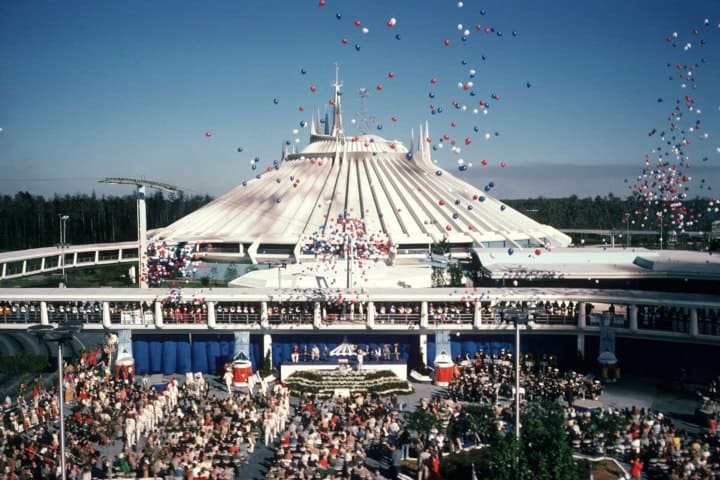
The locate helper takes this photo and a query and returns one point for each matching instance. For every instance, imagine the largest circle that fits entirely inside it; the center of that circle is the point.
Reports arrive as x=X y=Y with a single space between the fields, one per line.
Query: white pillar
x=633 y=318
x=317 y=315
x=423 y=348
x=371 y=315
x=424 y=315
x=106 y=315
x=159 y=317
x=142 y=237
x=477 y=318
x=582 y=320
x=264 y=320
x=693 y=327
x=211 y=315
x=44 y=314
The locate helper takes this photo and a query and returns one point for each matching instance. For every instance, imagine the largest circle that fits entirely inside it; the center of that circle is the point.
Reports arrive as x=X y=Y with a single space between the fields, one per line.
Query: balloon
x=468 y=140
x=463 y=168
x=208 y=134
x=438 y=172
x=338 y=16
x=528 y=85
x=357 y=23
x=303 y=123
x=484 y=162
x=391 y=74
x=397 y=37
x=378 y=87
x=409 y=155
x=469 y=207
x=460 y=4
x=447 y=42
x=441 y=202
x=510 y=251
x=276 y=101
x=379 y=127
x=313 y=88
x=394 y=119
x=502 y=208
x=538 y=251
x=303 y=71
x=503 y=164
x=455 y=216
x=357 y=47
x=391 y=22
x=365 y=30
x=321 y=3
x=240 y=149
x=481 y=198
x=344 y=41
x=448 y=227
x=491 y=184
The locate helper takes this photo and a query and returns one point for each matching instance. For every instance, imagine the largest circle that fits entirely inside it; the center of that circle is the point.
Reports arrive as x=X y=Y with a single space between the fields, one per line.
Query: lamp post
x=627 y=230
x=528 y=324
x=60 y=334
x=63 y=241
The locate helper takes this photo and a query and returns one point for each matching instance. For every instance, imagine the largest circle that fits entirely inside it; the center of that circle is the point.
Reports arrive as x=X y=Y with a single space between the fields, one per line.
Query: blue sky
x=90 y=89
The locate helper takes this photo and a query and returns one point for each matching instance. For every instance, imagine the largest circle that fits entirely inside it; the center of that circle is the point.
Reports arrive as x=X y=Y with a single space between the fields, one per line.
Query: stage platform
x=399 y=368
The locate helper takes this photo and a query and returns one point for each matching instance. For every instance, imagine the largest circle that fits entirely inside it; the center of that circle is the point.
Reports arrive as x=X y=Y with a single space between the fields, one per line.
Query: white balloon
x=472 y=72
x=466 y=32
x=461 y=4
x=365 y=30
x=460 y=26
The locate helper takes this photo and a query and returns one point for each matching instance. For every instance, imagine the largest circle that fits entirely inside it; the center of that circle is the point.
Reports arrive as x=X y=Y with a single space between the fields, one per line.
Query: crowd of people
x=120 y=426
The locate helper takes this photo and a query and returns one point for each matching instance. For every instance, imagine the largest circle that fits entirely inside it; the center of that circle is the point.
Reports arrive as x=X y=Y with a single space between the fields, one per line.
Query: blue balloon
x=464 y=62
x=469 y=207
x=244 y=184
x=278 y=200
x=435 y=147
x=456 y=216
x=433 y=111
x=338 y=16
x=258 y=176
x=510 y=251
x=499 y=33
x=292 y=178
x=482 y=12
x=431 y=94
x=276 y=101
x=438 y=172
x=277 y=180
x=502 y=208
x=257 y=159
x=254 y=167
x=457 y=201
x=275 y=162
x=397 y=37
x=487 y=188
x=303 y=123
x=528 y=84
x=357 y=47
x=379 y=127
x=240 y=149
x=439 y=109
x=481 y=198
x=463 y=168
x=476 y=128
x=491 y=184
x=409 y=155
x=514 y=33
x=303 y=71
x=464 y=38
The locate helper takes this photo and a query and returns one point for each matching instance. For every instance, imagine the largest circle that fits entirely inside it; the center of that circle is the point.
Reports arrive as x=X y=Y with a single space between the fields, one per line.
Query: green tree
x=231 y=273
x=421 y=421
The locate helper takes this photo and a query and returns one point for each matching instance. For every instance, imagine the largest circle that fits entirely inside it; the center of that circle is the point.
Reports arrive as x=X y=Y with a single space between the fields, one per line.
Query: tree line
x=32 y=221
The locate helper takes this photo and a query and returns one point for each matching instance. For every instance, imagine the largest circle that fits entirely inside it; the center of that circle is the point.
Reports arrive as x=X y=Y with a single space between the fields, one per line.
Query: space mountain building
x=386 y=196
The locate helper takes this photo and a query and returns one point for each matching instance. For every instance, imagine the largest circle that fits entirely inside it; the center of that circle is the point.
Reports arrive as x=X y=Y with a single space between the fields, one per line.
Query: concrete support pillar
x=106 y=314
x=44 y=320
x=264 y=320
x=477 y=318
x=633 y=317
x=424 y=315
x=211 y=315
x=422 y=338
x=158 y=314
x=370 y=315
x=581 y=320
x=693 y=329
x=317 y=315
x=267 y=346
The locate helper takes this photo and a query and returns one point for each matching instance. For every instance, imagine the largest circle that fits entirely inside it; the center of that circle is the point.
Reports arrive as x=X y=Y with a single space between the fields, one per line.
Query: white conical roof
x=393 y=194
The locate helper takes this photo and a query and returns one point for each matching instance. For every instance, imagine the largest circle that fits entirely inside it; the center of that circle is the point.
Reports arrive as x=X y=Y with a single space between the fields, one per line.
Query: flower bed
x=326 y=382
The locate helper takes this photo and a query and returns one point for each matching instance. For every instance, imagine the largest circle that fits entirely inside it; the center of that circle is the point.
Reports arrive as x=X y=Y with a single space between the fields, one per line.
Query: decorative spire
x=337 y=110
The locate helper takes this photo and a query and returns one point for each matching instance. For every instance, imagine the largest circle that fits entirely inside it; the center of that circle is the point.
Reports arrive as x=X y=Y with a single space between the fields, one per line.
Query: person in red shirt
x=712 y=425
x=636 y=466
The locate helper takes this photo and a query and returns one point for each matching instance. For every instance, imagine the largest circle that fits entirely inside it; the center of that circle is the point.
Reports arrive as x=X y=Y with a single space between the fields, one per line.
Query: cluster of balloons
x=665 y=182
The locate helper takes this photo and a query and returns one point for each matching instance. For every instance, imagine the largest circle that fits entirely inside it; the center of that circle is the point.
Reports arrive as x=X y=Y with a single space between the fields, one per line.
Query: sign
x=242 y=346
x=124 y=346
x=443 y=351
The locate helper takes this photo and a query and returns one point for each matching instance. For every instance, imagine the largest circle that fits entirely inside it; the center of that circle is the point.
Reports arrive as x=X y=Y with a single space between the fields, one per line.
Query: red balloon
x=468 y=140
x=448 y=227
x=503 y=164
x=484 y=163
x=394 y=119
x=301 y=108
x=208 y=134
x=441 y=202
x=391 y=74
x=433 y=80
x=321 y=3
x=357 y=23
x=538 y=251
x=378 y=87
x=313 y=88
x=344 y=41
x=447 y=42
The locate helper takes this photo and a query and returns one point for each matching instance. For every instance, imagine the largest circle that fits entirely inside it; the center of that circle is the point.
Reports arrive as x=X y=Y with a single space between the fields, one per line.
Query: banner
x=442 y=346
x=242 y=346
x=607 y=339
x=124 y=347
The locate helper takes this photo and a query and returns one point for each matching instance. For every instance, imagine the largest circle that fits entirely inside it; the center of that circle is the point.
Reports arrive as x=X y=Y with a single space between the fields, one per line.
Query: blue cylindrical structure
x=199 y=356
x=213 y=356
x=156 y=347
x=184 y=362
x=141 y=353
x=169 y=360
